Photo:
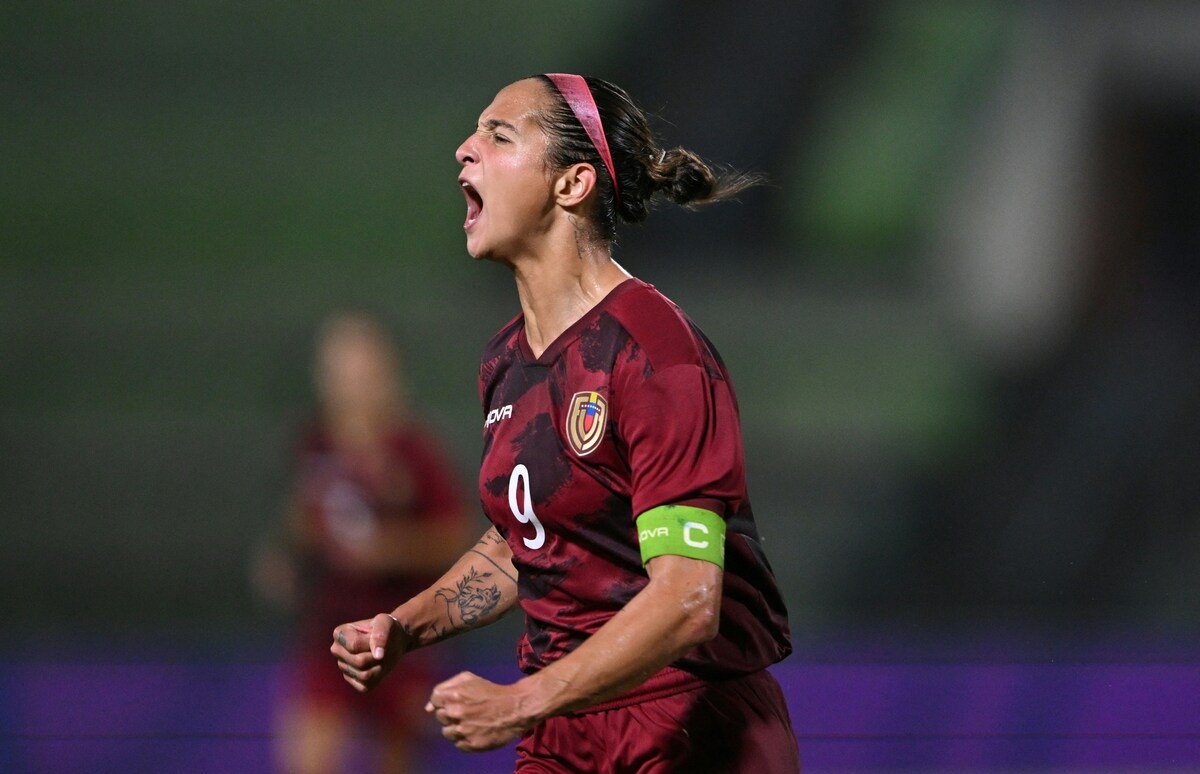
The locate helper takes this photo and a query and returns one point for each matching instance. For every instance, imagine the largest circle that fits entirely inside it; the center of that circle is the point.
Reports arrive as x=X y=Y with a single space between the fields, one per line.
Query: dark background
x=962 y=318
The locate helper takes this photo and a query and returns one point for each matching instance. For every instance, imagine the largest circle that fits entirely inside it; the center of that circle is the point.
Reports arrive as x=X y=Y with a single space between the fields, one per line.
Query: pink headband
x=575 y=91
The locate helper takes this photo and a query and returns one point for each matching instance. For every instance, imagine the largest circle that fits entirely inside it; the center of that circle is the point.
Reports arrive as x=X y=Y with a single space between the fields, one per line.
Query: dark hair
x=644 y=170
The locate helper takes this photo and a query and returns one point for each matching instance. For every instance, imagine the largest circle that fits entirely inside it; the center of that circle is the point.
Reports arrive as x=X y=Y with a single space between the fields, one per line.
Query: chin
x=477 y=252
x=482 y=251
x=473 y=248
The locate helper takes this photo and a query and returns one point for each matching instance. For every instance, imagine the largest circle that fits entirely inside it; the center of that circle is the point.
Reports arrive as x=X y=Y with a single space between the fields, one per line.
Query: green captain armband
x=681 y=530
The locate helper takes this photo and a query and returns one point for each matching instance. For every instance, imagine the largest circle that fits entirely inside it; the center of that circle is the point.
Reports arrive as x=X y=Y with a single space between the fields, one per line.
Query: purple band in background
x=71 y=718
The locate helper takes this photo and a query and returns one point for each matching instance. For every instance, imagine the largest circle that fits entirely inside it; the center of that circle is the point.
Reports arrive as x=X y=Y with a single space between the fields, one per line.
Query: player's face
x=356 y=373
x=504 y=176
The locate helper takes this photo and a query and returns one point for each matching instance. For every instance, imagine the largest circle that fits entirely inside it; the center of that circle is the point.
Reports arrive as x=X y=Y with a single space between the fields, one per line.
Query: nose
x=466 y=152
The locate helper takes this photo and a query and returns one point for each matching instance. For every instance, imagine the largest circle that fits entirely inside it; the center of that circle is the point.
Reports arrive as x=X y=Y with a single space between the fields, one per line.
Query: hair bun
x=684 y=177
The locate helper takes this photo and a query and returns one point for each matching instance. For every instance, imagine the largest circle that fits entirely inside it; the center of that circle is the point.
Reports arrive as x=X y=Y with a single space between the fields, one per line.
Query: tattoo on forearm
x=474 y=597
x=493 y=562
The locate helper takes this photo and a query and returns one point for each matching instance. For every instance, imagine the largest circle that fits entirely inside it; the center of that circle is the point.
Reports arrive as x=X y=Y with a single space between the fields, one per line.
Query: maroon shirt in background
x=345 y=498
x=564 y=491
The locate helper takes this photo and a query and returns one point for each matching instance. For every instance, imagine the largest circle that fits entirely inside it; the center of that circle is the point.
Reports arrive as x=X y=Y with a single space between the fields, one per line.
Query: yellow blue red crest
x=587 y=414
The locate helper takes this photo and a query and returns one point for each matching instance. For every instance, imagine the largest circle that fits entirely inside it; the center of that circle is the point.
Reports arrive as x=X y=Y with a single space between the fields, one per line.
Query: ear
x=574 y=184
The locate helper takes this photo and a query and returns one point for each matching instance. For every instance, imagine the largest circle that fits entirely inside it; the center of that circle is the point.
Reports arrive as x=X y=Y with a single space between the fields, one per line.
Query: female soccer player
x=612 y=474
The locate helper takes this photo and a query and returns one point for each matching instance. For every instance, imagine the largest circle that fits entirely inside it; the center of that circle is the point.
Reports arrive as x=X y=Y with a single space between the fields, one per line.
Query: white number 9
x=525 y=515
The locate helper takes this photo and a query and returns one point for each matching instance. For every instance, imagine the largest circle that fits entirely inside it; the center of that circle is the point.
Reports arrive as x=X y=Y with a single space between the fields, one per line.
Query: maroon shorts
x=737 y=726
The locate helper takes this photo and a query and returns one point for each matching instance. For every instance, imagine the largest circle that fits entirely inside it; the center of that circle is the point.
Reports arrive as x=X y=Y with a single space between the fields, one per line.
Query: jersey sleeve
x=683 y=436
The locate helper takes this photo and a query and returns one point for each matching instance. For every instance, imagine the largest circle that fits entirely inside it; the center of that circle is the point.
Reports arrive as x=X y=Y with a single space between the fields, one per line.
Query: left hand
x=477 y=714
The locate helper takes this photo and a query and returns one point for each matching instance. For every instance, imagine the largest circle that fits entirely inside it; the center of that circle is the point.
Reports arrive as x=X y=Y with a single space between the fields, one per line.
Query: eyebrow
x=495 y=123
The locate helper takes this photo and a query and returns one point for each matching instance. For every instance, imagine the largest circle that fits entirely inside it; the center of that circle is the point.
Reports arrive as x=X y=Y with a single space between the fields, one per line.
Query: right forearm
x=479 y=589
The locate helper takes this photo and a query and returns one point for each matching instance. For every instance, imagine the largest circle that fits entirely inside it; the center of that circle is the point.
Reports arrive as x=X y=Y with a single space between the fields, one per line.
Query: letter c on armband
x=689 y=528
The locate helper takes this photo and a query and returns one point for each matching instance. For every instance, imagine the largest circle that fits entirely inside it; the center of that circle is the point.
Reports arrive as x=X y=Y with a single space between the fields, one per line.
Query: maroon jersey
x=629 y=409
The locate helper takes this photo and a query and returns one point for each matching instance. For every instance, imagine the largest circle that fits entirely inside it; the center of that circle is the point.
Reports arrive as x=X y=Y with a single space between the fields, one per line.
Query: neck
x=558 y=286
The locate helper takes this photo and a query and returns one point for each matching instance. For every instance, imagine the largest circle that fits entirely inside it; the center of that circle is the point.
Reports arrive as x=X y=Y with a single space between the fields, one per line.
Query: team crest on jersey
x=587 y=414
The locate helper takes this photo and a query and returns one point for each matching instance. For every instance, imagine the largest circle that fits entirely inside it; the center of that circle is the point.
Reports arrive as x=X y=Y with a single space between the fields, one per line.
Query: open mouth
x=474 y=203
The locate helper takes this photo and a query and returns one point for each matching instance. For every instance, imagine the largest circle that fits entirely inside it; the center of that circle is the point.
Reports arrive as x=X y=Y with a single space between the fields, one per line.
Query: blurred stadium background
x=963 y=321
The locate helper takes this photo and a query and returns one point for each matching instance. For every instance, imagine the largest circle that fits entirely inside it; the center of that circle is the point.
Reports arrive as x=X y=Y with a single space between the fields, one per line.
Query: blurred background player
x=376 y=514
